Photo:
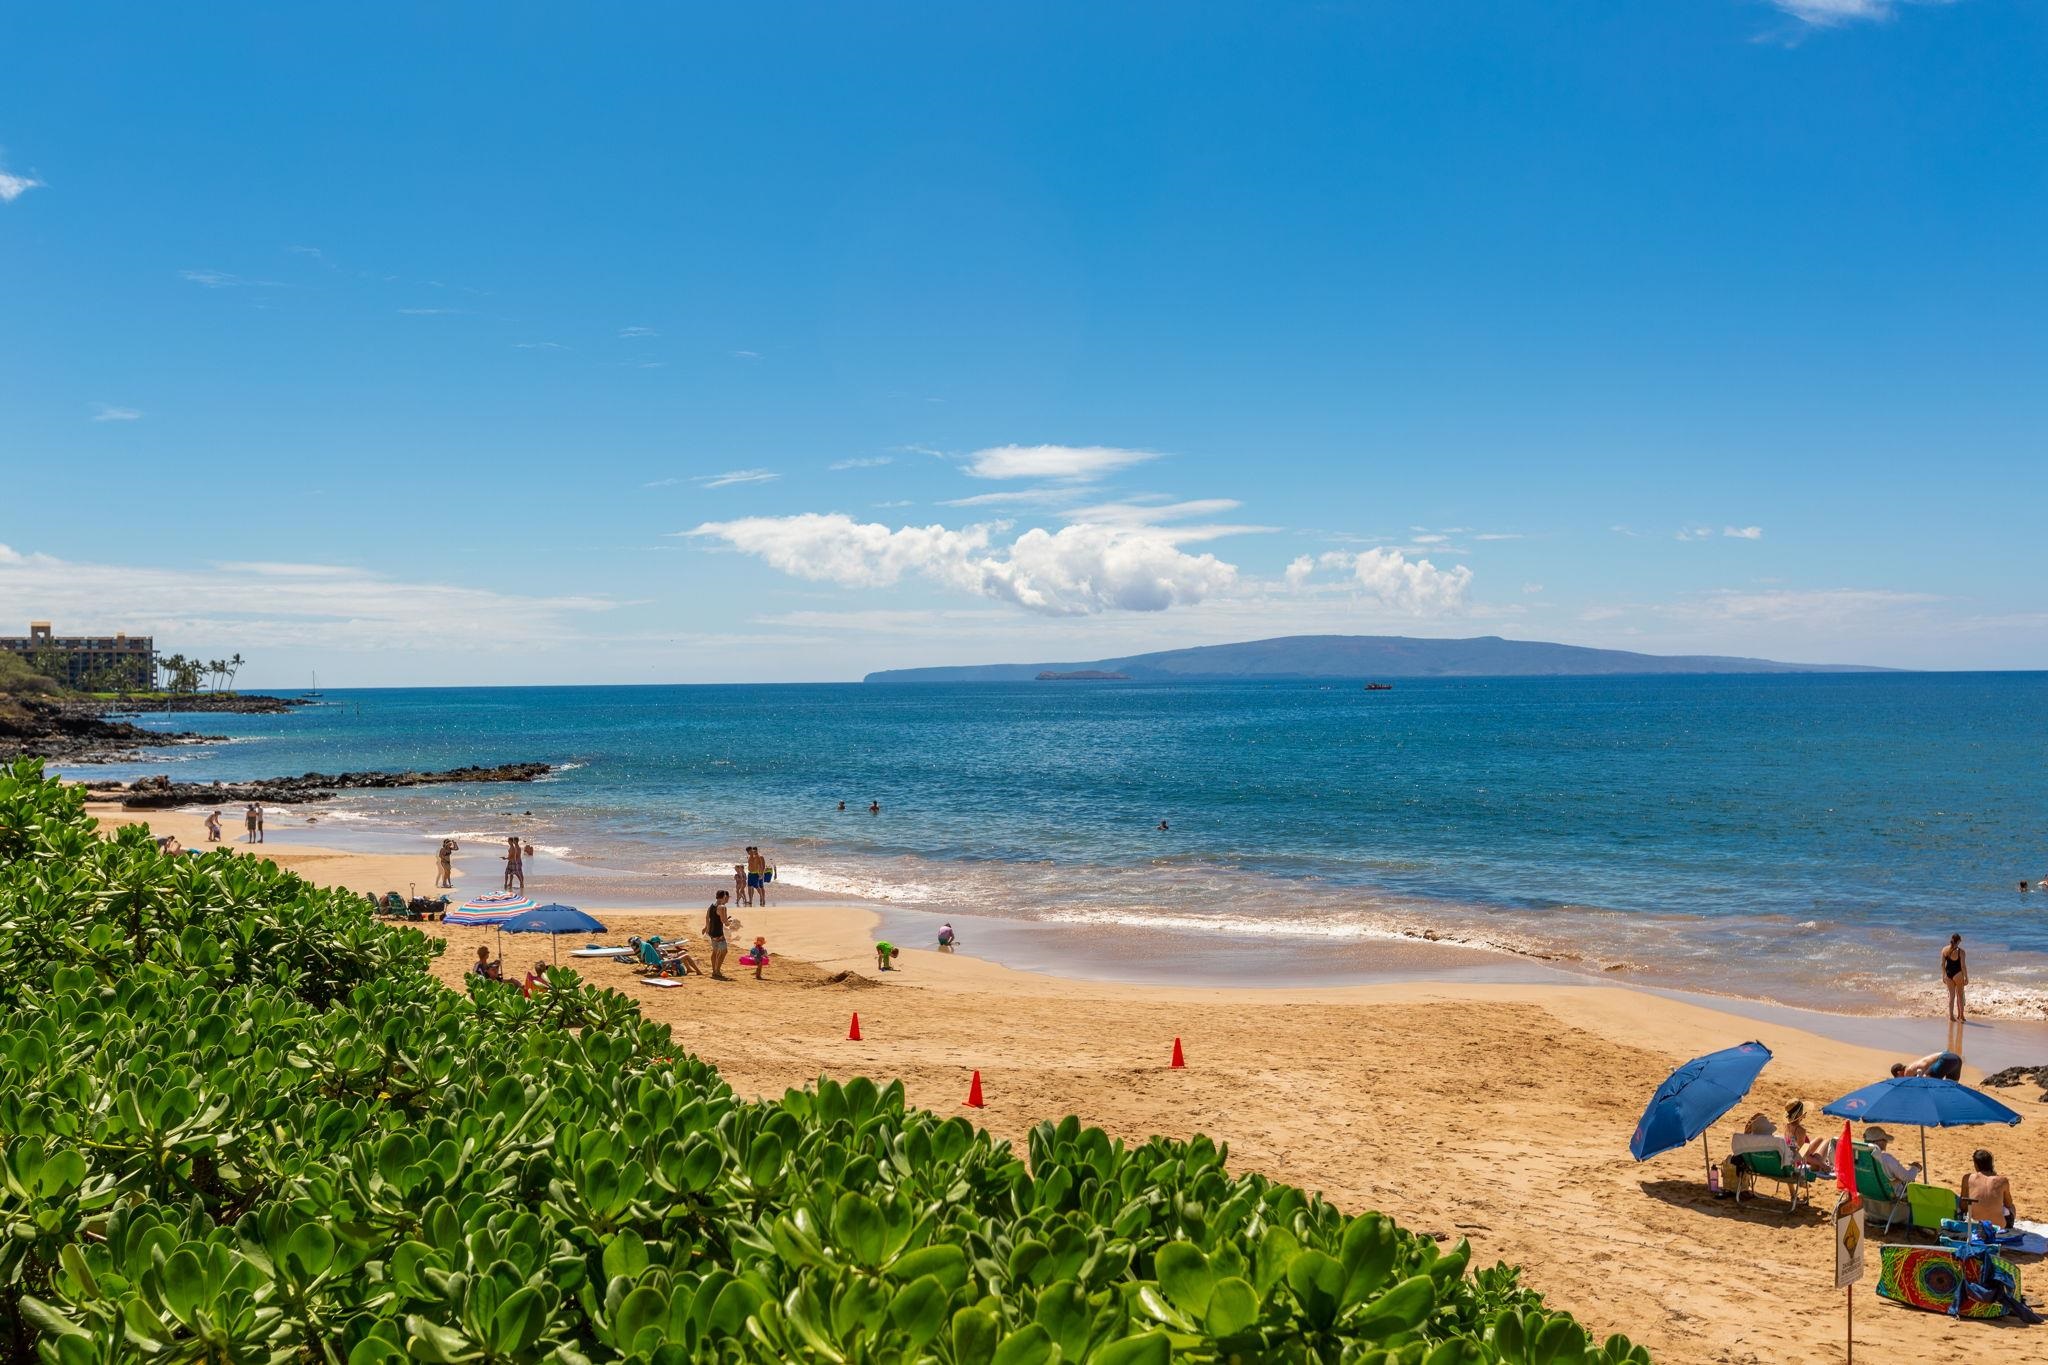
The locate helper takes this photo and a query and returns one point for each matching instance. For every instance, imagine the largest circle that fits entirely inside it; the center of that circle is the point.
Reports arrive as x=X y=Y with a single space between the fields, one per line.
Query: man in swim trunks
x=757 y=876
x=1943 y=1066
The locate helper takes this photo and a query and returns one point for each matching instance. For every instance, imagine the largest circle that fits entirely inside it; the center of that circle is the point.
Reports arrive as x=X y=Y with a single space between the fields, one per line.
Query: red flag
x=1845 y=1164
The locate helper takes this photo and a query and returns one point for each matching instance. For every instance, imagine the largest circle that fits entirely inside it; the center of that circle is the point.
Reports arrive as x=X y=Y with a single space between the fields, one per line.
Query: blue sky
x=428 y=344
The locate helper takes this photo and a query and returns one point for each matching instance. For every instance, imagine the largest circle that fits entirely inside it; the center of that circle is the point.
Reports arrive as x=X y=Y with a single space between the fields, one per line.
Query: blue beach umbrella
x=1694 y=1096
x=1923 y=1101
x=552 y=920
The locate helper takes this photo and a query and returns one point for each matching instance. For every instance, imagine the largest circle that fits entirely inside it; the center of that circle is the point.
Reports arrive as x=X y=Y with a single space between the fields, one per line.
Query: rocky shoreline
x=73 y=729
x=74 y=732
x=160 y=793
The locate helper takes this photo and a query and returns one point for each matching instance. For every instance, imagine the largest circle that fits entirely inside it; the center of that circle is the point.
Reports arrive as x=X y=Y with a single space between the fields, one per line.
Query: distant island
x=1295 y=658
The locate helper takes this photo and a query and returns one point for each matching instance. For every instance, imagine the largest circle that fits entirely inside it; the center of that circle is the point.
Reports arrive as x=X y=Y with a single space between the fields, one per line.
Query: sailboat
x=316 y=685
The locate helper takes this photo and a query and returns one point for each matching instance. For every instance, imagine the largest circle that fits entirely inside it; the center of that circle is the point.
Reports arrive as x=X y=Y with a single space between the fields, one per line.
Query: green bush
x=240 y=1121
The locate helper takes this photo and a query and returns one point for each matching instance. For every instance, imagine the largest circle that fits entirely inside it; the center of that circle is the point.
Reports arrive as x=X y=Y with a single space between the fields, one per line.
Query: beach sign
x=1849 y=1242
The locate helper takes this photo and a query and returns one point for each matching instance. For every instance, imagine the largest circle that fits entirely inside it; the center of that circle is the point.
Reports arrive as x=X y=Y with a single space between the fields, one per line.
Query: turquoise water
x=1801 y=837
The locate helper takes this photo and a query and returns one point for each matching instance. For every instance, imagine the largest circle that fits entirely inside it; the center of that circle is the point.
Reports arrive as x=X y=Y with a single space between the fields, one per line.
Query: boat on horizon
x=1379 y=687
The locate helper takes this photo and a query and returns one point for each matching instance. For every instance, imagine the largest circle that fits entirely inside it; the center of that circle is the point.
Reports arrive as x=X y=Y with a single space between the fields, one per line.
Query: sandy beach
x=1495 y=1112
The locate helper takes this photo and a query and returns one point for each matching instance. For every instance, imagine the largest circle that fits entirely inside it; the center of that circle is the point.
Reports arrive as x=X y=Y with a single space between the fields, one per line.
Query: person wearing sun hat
x=1899 y=1171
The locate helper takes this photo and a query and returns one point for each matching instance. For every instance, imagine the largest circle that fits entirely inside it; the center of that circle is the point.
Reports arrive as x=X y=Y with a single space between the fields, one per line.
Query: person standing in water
x=1955 y=974
x=515 y=863
x=757 y=875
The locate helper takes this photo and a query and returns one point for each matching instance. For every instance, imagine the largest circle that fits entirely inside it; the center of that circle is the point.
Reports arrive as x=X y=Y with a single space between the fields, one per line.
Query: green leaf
x=1233 y=1306
x=943 y=1261
x=858 y=1226
x=974 y=1336
x=1371 y=1243
x=310 y=1250
x=183 y=1281
x=1064 y=1312
x=919 y=1310
x=625 y=1255
x=1184 y=1274
x=519 y=1322
x=1397 y=1310
x=643 y=1309
x=1030 y=1344
x=1151 y=1348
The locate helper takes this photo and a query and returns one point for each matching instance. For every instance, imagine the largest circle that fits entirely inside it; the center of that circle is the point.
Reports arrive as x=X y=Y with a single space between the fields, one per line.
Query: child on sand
x=756 y=956
x=947 y=938
x=885 y=953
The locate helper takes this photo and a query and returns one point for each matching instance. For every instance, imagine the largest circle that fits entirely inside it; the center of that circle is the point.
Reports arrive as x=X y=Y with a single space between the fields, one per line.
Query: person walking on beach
x=444 y=864
x=757 y=875
x=515 y=864
x=213 y=828
x=258 y=808
x=1955 y=974
x=714 y=930
x=739 y=882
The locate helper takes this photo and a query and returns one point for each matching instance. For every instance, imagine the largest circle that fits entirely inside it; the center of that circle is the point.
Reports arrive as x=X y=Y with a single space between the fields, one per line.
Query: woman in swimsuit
x=1986 y=1193
x=1955 y=974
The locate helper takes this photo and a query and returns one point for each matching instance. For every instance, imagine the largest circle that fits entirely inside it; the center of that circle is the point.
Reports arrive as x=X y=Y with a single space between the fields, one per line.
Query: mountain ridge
x=1295 y=658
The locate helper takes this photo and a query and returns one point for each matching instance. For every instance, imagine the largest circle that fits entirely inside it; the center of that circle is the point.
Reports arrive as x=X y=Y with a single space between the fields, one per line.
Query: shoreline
x=1140 y=949
x=1494 y=1111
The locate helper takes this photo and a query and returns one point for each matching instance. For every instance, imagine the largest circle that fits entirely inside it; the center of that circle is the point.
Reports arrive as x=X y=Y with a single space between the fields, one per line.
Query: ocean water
x=1804 y=838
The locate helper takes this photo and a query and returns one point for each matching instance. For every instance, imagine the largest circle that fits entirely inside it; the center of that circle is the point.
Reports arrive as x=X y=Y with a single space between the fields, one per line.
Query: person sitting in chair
x=485 y=968
x=1880 y=1142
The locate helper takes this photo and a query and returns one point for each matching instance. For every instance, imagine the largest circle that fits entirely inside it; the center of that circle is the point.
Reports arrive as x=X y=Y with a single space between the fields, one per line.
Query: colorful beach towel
x=1925 y=1277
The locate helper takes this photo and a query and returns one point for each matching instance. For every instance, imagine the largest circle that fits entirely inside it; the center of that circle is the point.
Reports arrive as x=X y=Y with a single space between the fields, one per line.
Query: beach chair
x=1929 y=1206
x=1770 y=1158
x=1882 y=1196
x=394 y=905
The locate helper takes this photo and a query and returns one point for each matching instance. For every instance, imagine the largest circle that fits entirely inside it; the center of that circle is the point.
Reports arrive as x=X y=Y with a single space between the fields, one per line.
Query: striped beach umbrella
x=492 y=909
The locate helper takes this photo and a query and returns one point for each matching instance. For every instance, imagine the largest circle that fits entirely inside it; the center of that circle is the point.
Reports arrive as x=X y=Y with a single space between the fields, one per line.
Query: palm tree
x=234 y=667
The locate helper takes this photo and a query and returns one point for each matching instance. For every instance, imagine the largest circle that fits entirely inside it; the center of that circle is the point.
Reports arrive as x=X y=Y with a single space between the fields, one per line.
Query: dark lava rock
x=159 y=793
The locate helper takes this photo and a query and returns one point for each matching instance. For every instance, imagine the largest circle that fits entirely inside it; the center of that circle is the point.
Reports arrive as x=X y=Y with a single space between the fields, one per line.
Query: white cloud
x=1075 y=464
x=427 y=312
x=1078 y=570
x=1695 y=533
x=748 y=355
x=220 y=279
x=527 y=345
x=1140 y=513
x=1815 y=607
x=1531 y=589
x=1498 y=535
x=1013 y=497
x=733 y=476
x=864 y=462
x=662 y=483
x=1414 y=586
x=109 y=413
x=277 y=606
x=1744 y=532
x=1831 y=13
x=12 y=187
x=634 y=333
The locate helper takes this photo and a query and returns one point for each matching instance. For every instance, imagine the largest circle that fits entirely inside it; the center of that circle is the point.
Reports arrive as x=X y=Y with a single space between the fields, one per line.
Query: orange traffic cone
x=853 y=1032
x=1178 y=1059
x=973 y=1100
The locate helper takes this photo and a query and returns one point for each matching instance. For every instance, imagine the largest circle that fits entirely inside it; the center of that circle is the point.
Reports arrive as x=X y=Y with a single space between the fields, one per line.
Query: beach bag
x=1735 y=1178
